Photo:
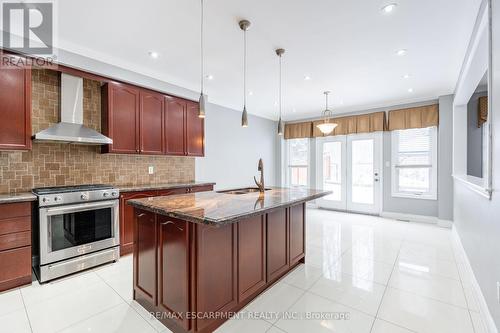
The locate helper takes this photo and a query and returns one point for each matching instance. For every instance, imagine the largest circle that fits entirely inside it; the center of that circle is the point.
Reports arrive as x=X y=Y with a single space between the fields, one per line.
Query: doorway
x=351 y=167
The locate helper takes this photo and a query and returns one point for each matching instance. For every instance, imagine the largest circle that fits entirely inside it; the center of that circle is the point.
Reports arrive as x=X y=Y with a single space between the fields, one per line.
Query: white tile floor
x=388 y=276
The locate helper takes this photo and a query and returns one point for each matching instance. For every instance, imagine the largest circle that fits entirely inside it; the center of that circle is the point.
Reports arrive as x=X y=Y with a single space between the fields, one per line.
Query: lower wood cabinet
x=127 y=211
x=15 y=245
x=277 y=244
x=195 y=275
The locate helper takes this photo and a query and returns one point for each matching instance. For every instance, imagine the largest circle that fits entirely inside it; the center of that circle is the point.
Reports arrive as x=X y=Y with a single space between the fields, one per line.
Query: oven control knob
x=113 y=194
x=56 y=199
x=105 y=194
x=45 y=200
x=84 y=196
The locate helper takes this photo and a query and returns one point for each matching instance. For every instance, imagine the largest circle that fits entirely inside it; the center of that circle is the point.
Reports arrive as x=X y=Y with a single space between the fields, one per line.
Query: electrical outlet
x=151 y=169
x=498 y=291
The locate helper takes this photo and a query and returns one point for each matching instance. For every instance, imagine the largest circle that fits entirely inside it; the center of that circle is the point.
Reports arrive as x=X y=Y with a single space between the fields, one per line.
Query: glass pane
x=73 y=229
x=298 y=151
x=332 y=170
x=362 y=171
x=414 y=180
x=298 y=176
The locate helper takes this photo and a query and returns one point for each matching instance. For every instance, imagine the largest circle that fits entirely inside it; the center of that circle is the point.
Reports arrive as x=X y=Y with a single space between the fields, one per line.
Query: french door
x=350 y=167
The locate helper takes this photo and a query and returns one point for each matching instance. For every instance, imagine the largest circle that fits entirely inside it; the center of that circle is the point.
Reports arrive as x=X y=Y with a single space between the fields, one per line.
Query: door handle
x=170 y=222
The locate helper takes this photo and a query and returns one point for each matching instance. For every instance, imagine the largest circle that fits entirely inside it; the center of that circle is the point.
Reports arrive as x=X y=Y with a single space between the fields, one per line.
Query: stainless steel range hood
x=71 y=129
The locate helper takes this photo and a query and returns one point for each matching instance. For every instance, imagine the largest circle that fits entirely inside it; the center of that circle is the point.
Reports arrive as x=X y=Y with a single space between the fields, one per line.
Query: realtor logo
x=28 y=27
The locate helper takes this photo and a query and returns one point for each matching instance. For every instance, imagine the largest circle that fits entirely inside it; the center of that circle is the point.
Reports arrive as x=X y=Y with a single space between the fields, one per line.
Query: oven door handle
x=79 y=207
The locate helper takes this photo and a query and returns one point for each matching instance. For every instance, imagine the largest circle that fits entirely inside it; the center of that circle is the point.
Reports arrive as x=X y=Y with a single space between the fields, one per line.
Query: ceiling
x=348 y=47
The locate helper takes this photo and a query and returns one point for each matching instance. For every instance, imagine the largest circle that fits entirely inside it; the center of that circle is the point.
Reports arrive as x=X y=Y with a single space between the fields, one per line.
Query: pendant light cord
x=244 y=68
x=201 y=34
x=280 y=88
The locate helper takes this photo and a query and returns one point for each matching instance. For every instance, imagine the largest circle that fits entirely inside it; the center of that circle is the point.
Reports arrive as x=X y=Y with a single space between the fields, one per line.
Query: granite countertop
x=160 y=186
x=17 y=197
x=220 y=208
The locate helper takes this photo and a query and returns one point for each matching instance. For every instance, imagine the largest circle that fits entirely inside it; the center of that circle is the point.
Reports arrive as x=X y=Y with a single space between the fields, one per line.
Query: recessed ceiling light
x=153 y=54
x=250 y=93
x=275 y=103
x=389 y=8
x=410 y=90
x=209 y=77
x=307 y=77
x=406 y=76
x=402 y=52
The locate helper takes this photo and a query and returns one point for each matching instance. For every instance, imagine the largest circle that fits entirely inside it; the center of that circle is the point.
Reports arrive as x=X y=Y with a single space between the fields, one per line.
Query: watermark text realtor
x=28 y=30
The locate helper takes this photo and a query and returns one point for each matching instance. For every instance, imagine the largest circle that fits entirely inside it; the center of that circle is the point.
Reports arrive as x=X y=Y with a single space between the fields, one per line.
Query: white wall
x=232 y=152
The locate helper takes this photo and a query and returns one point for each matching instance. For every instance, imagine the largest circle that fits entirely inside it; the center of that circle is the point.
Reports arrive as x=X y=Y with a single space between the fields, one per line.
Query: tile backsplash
x=50 y=164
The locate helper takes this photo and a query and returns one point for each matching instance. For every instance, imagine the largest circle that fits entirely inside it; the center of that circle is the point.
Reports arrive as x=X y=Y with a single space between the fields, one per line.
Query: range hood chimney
x=71 y=129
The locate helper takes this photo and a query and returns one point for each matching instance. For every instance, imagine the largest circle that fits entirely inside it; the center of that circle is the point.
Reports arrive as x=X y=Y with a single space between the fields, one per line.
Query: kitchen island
x=201 y=257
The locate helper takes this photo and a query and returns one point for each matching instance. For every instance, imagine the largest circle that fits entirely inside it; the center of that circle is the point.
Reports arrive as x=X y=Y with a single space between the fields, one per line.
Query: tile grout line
x=26 y=310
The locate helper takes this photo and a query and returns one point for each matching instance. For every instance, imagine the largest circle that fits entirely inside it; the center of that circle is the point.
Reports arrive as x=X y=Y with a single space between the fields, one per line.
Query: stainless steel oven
x=77 y=227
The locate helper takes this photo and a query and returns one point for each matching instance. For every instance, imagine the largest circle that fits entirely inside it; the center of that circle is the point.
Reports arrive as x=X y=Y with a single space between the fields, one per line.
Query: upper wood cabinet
x=175 y=126
x=146 y=122
x=15 y=107
x=120 y=117
x=195 y=127
x=151 y=123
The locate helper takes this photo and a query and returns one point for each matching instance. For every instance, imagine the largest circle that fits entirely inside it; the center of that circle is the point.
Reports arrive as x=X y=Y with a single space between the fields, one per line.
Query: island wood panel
x=15 y=268
x=297 y=233
x=151 y=123
x=175 y=126
x=251 y=256
x=127 y=219
x=15 y=106
x=145 y=258
x=195 y=127
x=277 y=244
x=216 y=272
x=173 y=269
x=120 y=117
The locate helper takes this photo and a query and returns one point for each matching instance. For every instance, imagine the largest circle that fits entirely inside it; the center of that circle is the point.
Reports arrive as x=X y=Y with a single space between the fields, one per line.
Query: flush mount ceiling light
x=153 y=54
x=279 y=53
x=250 y=93
x=326 y=127
x=209 y=77
x=244 y=25
x=406 y=76
x=389 y=8
x=307 y=78
x=402 y=52
x=410 y=90
x=203 y=99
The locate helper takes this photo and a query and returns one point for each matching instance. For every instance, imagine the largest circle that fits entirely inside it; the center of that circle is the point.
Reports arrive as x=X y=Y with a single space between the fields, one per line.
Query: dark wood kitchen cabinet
x=184 y=130
x=15 y=107
x=277 y=244
x=151 y=123
x=127 y=211
x=15 y=245
x=251 y=256
x=297 y=233
x=120 y=117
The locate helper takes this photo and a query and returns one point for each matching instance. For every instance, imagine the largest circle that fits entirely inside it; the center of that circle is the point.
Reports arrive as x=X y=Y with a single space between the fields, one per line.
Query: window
x=414 y=163
x=298 y=162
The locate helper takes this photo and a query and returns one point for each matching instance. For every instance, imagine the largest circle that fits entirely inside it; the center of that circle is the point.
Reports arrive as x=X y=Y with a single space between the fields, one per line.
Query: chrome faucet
x=260 y=184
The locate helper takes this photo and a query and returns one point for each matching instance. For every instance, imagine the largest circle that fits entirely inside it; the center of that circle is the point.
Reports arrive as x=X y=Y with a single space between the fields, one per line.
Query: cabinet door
x=172 y=191
x=195 y=136
x=151 y=123
x=121 y=122
x=174 y=126
x=145 y=257
x=15 y=268
x=173 y=269
x=297 y=233
x=15 y=108
x=251 y=256
x=216 y=273
x=127 y=220
x=277 y=244
x=203 y=188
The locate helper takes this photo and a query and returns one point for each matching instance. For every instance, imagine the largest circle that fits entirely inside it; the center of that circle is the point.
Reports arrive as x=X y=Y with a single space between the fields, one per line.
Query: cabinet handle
x=141 y=214
x=170 y=222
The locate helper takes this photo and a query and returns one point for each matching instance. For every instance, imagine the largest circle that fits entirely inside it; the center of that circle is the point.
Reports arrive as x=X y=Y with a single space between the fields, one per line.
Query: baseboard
x=484 y=311
x=311 y=204
x=445 y=223
x=410 y=217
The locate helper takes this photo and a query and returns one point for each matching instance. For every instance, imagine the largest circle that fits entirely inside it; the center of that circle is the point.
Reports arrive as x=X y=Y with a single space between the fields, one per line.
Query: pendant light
x=279 y=53
x=203 y=98
x=244 y=25
x=326 y=127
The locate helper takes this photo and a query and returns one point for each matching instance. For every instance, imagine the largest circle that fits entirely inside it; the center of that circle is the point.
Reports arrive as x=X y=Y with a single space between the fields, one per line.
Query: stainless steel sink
x=242 y=190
